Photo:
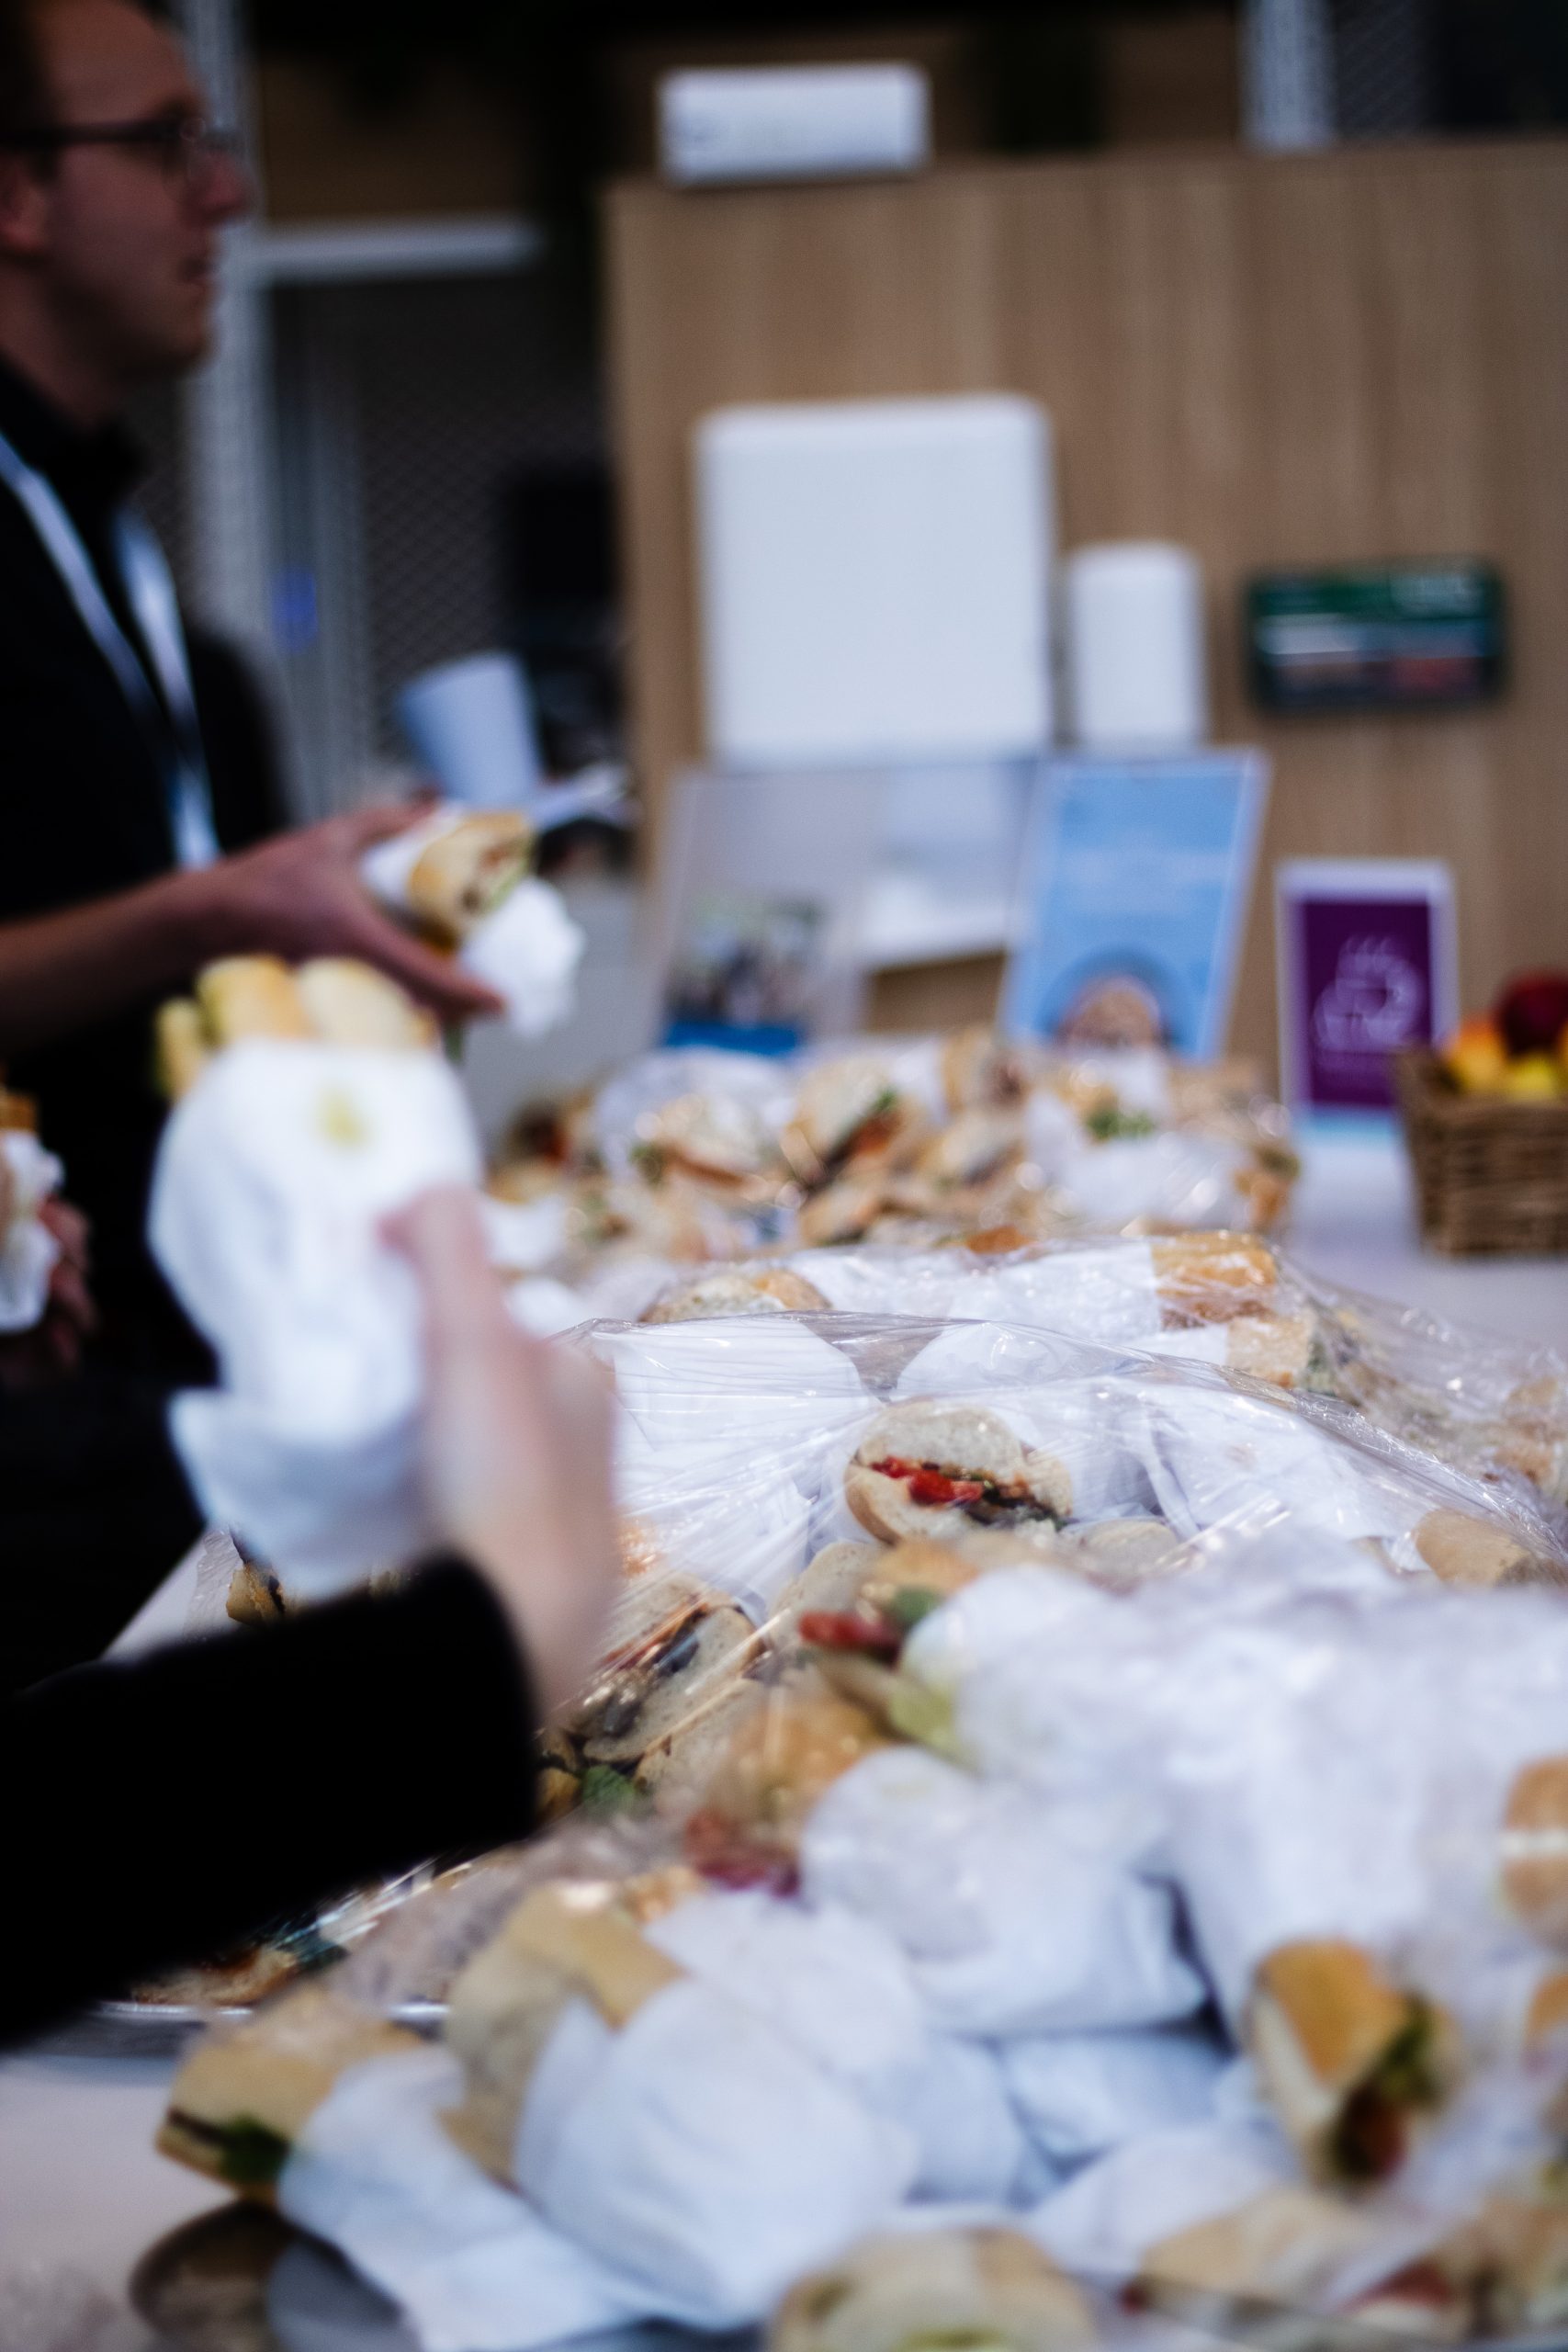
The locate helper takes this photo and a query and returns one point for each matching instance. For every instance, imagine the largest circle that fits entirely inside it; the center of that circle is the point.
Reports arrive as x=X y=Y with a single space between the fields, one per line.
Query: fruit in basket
x=1533 y=1078
x=1475 y=1055
x=1532 y=1012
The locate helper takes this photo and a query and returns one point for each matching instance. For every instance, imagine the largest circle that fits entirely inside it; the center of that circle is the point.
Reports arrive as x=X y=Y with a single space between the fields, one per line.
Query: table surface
x=83 y=2194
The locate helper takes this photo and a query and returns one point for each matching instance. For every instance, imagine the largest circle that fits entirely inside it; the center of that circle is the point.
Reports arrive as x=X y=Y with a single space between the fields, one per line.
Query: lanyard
x=151 y=595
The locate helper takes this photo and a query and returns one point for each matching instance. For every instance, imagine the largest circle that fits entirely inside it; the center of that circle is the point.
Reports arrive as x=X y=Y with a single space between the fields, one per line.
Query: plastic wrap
x=937 y=1819
x=1493 y=1406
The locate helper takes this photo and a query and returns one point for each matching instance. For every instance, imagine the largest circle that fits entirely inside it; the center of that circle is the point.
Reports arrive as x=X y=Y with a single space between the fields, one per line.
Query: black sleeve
x=159 y=1810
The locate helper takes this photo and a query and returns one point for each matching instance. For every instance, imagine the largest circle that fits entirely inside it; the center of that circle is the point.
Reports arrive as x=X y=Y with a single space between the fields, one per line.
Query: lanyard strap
x=151 y=595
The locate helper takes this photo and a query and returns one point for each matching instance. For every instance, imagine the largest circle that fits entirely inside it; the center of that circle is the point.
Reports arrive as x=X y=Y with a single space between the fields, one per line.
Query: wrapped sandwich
x=1354 y=2064
x=319 y=1111
x=462 y=877
x=676 y=1659
x=931 y=1468
x=245 y=2096
x=656 y=2120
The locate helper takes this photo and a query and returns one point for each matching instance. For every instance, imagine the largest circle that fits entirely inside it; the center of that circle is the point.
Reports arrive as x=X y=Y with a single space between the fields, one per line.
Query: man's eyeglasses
x=185 y=146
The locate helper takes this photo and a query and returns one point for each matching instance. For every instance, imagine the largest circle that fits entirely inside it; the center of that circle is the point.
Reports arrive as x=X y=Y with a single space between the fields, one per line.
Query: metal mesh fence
x=451 y=390
x=1382 y=78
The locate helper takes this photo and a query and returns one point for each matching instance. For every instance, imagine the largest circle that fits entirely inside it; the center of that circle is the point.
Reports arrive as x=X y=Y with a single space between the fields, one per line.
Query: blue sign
x=1137 y=881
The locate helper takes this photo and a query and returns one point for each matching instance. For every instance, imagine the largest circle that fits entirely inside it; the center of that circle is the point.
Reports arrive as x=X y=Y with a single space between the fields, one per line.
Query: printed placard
x=1134 y=897
x=1367 y=970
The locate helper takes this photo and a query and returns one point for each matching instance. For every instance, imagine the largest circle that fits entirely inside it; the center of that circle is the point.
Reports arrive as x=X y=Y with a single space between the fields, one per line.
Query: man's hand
x=517 y=1449
x=301 y=895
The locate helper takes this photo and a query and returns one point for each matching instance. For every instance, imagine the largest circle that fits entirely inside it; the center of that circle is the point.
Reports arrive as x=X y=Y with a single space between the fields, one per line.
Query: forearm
x=61 y=972
x=183 y=1802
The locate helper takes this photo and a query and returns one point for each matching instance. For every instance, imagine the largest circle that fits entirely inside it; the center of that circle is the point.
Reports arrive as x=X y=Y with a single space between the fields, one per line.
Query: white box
x=777 y=122
x=875 y=581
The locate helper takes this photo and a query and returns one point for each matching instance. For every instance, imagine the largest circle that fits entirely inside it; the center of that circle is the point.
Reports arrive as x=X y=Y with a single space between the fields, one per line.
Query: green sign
x=1383 y=637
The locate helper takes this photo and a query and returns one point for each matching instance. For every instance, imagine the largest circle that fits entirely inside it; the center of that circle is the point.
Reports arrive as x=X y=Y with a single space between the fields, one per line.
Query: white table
x=81 y=2187
x=1354 y=1222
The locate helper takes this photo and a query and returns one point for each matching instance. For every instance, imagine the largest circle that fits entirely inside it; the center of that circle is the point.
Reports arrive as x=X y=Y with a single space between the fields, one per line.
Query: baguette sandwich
x=935 y=1468
x=1256 y=2273
x=1462 y=1550
x=979 y=1068
x=564 y=1942
x=1354 y=2065
x=711 y=1138
x=244 y=2095
x=675 y=1644
x=1208 y=1277
x=465 y=870
x=974 y=1146
x=736 y=1290
x=775 y=1765
x=848 y=1114
x=845 y=1210
x=856 y=1636
x=1535 y=1849
x=332 y=999
x=991 y=2290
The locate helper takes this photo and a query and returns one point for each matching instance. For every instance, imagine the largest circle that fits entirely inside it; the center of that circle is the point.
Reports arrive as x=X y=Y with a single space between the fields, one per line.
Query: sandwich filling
x=633 y=1673
x=1372 y=2128
x=877 y=1631
x=988 y=1501
x=244 y=2152
x=497 y=872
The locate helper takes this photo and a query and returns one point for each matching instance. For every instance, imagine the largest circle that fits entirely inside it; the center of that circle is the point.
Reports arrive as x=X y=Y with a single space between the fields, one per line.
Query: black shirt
x=177 y=1804
x=83 y=814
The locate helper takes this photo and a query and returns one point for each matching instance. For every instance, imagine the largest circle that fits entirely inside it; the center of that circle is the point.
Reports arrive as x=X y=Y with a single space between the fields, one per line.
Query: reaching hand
x=517 y=1448
x=301 y=895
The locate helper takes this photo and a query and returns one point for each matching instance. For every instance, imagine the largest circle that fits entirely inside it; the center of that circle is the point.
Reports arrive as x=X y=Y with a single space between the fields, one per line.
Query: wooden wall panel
x=1356 y=355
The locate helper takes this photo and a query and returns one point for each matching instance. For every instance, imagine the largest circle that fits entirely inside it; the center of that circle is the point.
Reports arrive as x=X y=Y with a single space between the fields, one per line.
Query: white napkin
x=704 y=2153
x=528 y=951
x=472 y=2265
x=1082 y=2094
x=840 y=1989
x=1102 y=2224
x=1015 y=1918
x=30 y=1252
x=272 y=1178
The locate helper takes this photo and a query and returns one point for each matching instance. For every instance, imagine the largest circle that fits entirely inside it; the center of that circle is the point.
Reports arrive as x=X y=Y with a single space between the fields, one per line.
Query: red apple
x=1531 y=1012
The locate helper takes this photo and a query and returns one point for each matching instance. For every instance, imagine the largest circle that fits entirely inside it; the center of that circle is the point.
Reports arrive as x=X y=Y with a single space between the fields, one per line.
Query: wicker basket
x=1491 y=1177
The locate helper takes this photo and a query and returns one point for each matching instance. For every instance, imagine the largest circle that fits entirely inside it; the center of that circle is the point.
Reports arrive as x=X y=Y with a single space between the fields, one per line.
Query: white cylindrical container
x=1135 y=667
x=471 y=724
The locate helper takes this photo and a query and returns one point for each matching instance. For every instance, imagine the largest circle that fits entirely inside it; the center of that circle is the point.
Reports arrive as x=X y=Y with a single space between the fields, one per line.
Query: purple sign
x=1365 y=972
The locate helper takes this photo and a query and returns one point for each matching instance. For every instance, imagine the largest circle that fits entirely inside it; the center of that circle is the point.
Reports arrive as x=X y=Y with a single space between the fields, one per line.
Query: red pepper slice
x=835 y=1629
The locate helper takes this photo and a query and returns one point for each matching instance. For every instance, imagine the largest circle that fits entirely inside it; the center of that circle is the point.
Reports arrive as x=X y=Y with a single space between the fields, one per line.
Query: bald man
x=133 y=784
